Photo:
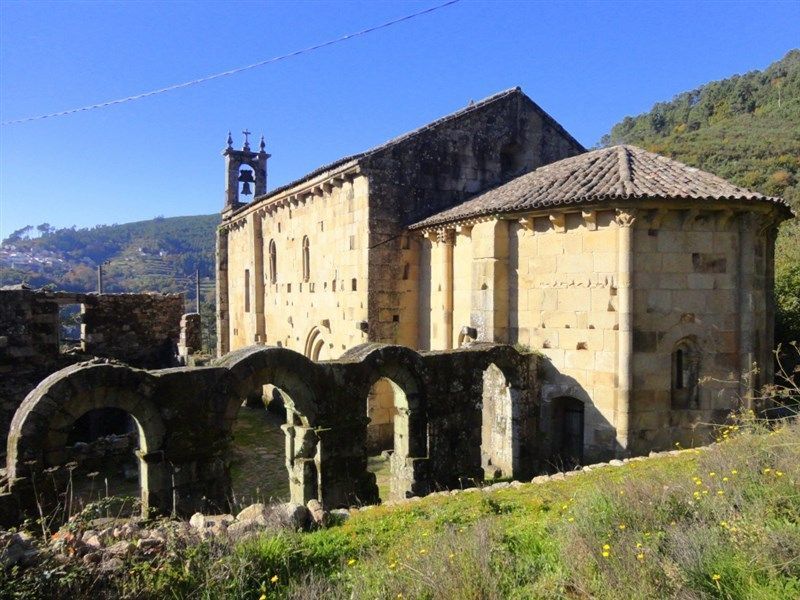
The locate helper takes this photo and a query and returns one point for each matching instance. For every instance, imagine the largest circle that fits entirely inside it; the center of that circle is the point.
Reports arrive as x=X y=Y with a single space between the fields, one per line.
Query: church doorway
x=567 y=432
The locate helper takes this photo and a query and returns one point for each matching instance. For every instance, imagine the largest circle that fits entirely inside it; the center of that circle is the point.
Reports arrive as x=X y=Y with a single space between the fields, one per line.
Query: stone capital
x=625 y=217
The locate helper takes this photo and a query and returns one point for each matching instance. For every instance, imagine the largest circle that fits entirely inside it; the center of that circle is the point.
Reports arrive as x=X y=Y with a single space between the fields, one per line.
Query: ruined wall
x=142 y=330
x=29 y=328
x=702 y=278
x=191 y=338
x=185 y=417
x=315 y=313
x=436 y=168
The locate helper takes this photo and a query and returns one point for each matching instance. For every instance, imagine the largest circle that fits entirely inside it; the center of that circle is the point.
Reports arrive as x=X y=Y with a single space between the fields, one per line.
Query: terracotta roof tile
x=609 y=174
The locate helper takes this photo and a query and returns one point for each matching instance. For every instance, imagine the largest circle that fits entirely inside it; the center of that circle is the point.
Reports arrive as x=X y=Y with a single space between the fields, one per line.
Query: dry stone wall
x=139 y=329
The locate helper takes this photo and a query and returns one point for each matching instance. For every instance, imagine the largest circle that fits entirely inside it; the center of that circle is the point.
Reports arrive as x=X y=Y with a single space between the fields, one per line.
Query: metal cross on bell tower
x=245 y=172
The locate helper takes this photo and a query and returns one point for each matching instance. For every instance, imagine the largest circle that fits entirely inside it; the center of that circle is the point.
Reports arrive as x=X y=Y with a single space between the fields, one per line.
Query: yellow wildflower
x=423 y=551
x=712 y=474
x=262 y=597
x=724 y=479
x=734 y=471
x=622 y=525
x=767 y=470
x=351 y=562
x=640 y=556
x=716 y=577
x=606 y=553
x=606 y=547
x=571 y=519
x=720 y=493
x=778 y=473
x=274 y=579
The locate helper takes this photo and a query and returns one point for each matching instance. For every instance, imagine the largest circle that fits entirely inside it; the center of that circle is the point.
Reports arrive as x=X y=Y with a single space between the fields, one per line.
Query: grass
x=717 y=523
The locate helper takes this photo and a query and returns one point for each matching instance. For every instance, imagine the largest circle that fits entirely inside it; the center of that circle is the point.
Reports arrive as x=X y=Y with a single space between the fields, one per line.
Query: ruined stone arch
x=40 y=427
x=506 y=435
x=296 y=377
x=404 y=370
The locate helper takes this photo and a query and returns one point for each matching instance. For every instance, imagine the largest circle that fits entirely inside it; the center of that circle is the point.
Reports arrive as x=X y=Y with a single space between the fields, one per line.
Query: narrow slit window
x=306 y=259
x=247 y=290
x=273 y=262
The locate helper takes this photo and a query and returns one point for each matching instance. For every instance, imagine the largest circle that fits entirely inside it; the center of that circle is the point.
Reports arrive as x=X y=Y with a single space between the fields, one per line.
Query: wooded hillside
x=746 y=129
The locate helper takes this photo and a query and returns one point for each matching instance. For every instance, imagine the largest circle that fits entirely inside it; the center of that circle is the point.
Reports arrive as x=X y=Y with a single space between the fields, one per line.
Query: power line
x=235 y=71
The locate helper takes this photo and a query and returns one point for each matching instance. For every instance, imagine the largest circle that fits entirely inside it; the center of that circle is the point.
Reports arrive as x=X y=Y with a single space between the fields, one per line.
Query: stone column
x=223 y=315
x=258 y=279
x=441 y=289
x=447 y=240
x=489 y=310
x=625 y=220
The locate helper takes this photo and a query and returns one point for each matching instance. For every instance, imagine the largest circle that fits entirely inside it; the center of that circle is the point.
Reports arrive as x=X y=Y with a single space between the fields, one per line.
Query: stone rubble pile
x=105 y=543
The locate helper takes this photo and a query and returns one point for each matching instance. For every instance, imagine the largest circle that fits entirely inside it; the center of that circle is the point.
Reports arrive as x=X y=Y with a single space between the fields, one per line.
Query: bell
x=246 y=189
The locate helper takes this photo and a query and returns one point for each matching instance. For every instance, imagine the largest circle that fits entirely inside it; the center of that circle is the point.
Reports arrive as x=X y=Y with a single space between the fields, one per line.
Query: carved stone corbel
x=464 y=229
x=689 y=217
x=590 y=218
x=526 y=223
x=725 y=217
x=559 y=221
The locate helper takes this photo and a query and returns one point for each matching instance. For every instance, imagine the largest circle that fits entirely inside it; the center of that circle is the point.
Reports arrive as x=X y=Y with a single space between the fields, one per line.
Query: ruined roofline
x=354 y=160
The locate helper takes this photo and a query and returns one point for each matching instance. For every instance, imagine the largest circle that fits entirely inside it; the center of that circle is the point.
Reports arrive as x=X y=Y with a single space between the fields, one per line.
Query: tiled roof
x=473 y=106
x=609 y=174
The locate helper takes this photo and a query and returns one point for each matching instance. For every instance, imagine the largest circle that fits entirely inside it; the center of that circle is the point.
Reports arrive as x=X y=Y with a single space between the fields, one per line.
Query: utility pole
x=197 y=289
x=100 y=278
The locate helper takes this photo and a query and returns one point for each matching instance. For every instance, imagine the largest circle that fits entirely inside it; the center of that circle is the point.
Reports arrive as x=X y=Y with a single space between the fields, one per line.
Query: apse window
x=685 y=374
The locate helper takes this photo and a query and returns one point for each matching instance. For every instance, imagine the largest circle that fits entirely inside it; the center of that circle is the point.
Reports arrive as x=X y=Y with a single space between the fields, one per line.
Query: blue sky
x=587 y=63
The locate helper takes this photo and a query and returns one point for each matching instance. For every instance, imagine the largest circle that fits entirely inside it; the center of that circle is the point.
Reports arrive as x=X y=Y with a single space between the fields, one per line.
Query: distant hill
x=159 y=255
x=746 y=129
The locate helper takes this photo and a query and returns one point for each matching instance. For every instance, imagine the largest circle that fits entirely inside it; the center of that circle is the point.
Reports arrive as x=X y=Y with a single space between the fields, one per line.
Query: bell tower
x=243 y=170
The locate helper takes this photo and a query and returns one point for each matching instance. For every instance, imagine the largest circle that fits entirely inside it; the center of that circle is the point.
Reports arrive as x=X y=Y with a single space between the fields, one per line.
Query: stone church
x=646 y=284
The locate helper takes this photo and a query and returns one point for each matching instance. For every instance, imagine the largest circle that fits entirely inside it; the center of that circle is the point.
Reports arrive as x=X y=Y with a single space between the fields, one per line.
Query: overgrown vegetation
x=717 y=523
x=746 y=129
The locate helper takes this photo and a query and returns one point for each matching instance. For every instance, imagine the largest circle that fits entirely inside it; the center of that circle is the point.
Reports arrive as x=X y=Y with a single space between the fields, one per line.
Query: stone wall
x=191 y=337
x=434 y=169
x=618 y=301
x=702 y=283
x=142 y=330
x=185 y=416
x=319 y=315
x=547 y=281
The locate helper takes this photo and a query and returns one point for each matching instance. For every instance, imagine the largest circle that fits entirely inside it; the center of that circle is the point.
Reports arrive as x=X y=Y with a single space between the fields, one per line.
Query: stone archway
x=293 y=376
x=41 y=426
x=401 y=371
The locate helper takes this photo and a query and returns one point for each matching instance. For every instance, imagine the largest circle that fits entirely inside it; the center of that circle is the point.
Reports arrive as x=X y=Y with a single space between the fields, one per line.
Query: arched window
x=273 y=263
x=306 y=260
x=685 y=374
